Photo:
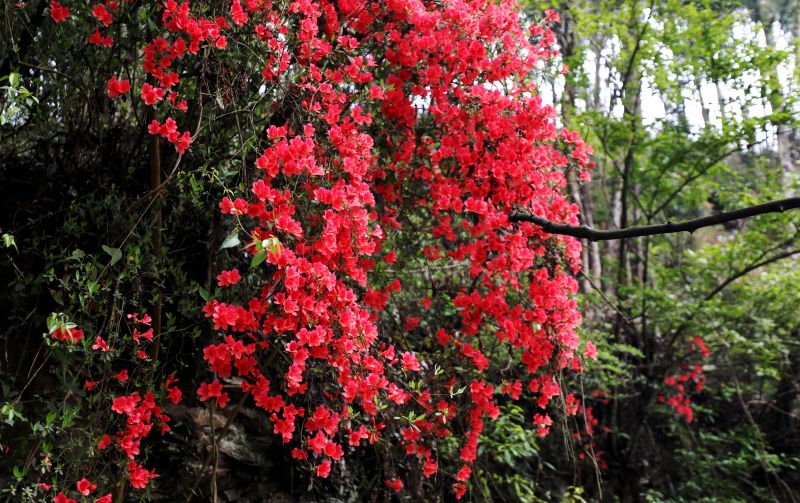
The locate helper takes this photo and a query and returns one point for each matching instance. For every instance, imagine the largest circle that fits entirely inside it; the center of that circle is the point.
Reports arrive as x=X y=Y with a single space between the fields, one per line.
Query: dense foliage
x=692 y=110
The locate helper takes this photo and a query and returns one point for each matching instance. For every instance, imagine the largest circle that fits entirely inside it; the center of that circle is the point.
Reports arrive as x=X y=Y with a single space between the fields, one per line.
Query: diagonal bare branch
x=591 y=234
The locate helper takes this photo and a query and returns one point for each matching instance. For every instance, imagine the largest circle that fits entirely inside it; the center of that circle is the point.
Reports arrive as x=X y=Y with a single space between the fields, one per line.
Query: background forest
x=691 y=109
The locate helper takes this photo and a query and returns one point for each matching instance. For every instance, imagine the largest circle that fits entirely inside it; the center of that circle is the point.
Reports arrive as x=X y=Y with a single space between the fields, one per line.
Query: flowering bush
x=377 y=296
x=120 y=401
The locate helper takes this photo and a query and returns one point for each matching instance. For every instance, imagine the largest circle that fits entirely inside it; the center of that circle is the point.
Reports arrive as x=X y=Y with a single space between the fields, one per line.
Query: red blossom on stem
x=85 y=487
x=101 y=40
x=102 y=14
x=227 y=278
x=67 y=334
x=117 y=88
x=151 y=94
x=62 y=498
x=58 y=12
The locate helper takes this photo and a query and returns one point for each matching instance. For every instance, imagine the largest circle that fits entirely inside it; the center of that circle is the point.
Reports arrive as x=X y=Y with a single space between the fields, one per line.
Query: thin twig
x=210 y=456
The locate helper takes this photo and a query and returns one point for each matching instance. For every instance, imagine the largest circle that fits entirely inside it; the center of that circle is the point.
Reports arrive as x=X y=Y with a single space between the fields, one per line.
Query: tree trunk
x=775 y=95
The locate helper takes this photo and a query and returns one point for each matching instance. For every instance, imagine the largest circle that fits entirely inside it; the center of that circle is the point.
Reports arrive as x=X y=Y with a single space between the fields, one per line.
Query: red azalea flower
x=410 y=362
x=122 y=375
x=98 y=39
x=117 y=88
x=138 y=476
x=324 y=469
x=151 y=94
x=85 y=487
x=102 y=14
x=103 y=443
x=175 y=395
x=395 y=485
x=61 y=498
x=125 y=404
x=66 y=334
x=591 y=350
x=58 y=12
x=227 y=278
x=213 y=390
x=100 y=344
x=147 y=335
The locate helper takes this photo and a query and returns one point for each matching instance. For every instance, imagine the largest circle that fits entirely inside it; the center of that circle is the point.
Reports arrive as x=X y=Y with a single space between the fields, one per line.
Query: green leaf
x=8 y=241
x=274 y=246
x=69 y=417
x=115 y=253
x=52 y=322
x=10 y=414
x=203 y=293
x=13 y=79
x=231 y=241
x=259 y=258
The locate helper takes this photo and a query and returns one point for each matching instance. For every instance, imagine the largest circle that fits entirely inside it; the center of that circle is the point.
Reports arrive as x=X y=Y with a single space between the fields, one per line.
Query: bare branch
x=591 y=234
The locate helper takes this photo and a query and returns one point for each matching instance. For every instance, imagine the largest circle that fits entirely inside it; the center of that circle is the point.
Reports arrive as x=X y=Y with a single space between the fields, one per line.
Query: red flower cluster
x=140 y=410
x=58 y=12
x=169 y=130
x=228 y=278
x=213 y=390
x=464 y=140
x=138 y=476
x=101 y=40
x=85 y=487
x=116 y=87
x=678 y=399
